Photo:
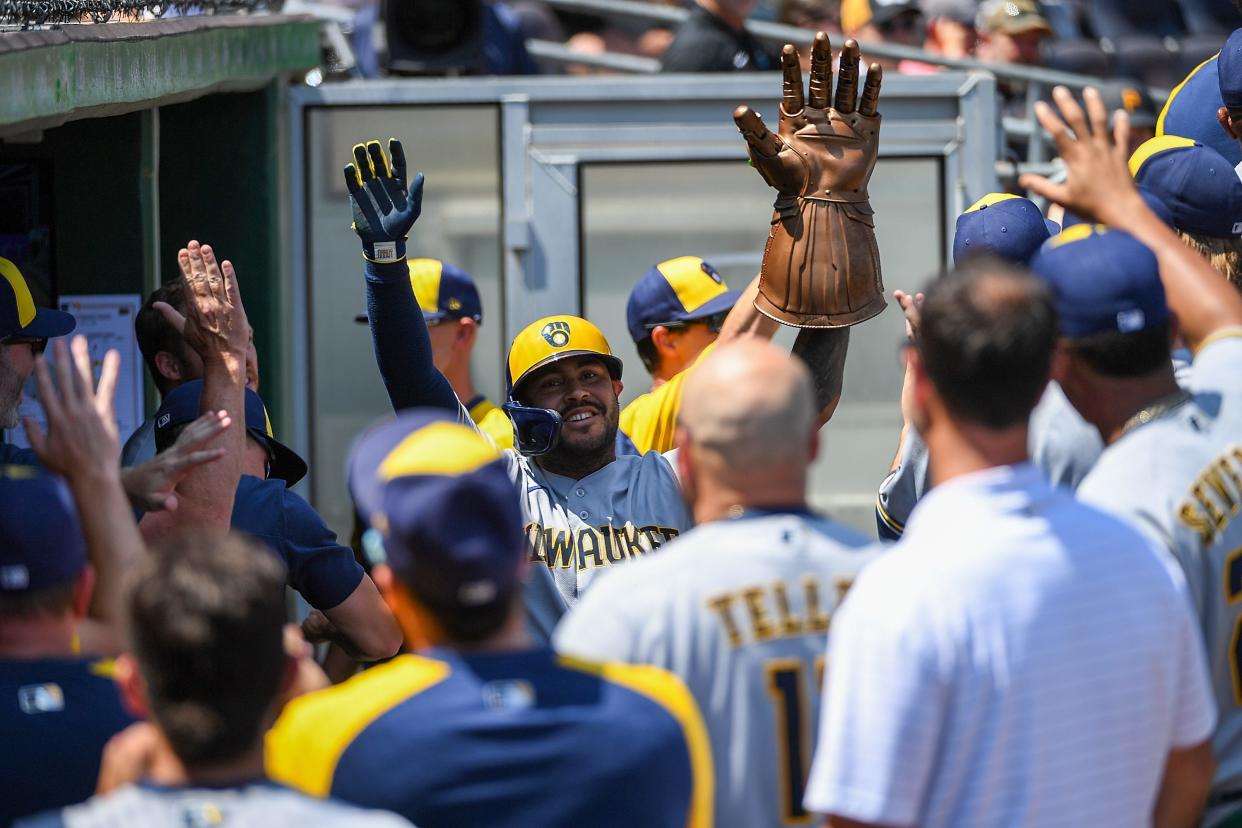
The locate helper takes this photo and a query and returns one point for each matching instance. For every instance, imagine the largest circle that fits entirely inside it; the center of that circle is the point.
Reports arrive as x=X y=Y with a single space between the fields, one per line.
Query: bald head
x=750 y=404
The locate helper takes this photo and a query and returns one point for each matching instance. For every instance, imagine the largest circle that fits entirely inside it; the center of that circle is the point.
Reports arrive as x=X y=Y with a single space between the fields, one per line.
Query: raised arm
x=1100 y=187
x=81 y=445
x=384 y=210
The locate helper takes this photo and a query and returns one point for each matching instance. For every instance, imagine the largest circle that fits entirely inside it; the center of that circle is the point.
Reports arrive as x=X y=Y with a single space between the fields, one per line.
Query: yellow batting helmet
x=552 y=339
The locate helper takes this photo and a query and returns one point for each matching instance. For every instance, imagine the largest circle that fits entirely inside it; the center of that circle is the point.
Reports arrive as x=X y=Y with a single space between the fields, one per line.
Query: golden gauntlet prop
x=821 y=266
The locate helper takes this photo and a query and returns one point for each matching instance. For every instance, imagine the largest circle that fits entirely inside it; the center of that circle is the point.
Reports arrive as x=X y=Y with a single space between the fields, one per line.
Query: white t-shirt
x=1017 y=659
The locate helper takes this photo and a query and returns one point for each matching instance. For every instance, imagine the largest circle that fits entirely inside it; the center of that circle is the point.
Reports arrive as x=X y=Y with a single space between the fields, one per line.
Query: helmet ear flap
x=535 y=430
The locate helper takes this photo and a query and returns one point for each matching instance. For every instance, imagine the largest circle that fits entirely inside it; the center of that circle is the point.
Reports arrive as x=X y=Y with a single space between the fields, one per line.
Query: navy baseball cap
x=1104 y=281
x=180 y=407
x=1200 y=188
x=43 y=545
x=19 y=316
x=677 y=290
x=1229 y=70
x=1004 y=225
x=442 y=291
x=1155 y=204
x=440 y=497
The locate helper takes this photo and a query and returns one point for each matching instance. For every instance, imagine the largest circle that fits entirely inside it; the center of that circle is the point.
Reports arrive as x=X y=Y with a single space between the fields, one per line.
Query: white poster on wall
x=107 y=321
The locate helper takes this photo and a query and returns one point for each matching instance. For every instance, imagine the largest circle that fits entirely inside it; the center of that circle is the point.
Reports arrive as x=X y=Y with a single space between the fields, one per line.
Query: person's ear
x=382 y=577
x=467 y=331
x=812 y=449
x=1175 y=331
x=1222 y=116
x=663 y=340
x=169 y=366
x=83 y=589
x=401 y=604
x=130 y=686
x=617 y=388
x=1060 y=363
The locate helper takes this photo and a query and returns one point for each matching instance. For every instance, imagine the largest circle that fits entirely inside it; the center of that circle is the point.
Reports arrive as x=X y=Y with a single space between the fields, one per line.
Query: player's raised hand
x=152 y=486
x=215 y=324
x=384 y=207
x=827 y=144
x=1099 y=186
x=81 y=442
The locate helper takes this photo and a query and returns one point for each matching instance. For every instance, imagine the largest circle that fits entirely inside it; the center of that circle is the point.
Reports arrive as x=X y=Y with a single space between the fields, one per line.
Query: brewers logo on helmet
x=554 y=338
x=542 y=343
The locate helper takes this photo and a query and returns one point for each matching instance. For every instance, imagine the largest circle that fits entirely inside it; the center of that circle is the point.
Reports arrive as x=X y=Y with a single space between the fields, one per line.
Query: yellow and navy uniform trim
x=667 y=690
x=889 y=521
x=305 y=745
x=693 y=285
x=21 y=292
x=1233 y=332
x=492 y=421
x=1153 y=147
x=1176 y=90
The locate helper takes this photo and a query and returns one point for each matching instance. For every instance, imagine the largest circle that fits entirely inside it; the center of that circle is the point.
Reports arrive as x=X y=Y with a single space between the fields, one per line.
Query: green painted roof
x=51 y=76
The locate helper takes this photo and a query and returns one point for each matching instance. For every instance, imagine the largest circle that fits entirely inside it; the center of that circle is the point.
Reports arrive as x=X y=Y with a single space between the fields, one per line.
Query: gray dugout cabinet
x=558 y=193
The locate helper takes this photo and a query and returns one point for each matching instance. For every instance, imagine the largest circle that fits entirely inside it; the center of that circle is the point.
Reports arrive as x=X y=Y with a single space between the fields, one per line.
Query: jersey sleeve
x=1215 y=369
x=601 y=626
x=323 y=571
x=650 y=422
x=902 y=489
x=402 y=346
x=1195 y=716
x=881 y=720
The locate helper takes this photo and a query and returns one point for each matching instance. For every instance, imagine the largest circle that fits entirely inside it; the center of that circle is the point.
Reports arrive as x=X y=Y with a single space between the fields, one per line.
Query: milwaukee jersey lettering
x=740 y=609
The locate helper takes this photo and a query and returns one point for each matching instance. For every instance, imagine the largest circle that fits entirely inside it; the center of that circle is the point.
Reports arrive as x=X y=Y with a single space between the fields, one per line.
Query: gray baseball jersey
x=261 y=805
x=1179 y=479
x=575 y=528
x=1061 y=443
x=739 y=609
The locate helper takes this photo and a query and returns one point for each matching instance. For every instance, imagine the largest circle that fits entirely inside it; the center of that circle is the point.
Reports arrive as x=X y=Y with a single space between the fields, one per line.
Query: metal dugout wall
x=558 y=193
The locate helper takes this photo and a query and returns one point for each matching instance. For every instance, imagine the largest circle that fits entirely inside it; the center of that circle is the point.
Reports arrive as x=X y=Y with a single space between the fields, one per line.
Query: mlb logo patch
x=40 y=698
x=1132 y=320
x=163 y=420
x=14 y=577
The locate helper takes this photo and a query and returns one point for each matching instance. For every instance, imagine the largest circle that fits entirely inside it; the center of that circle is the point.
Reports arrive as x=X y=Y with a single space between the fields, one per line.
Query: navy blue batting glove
x=384 y=208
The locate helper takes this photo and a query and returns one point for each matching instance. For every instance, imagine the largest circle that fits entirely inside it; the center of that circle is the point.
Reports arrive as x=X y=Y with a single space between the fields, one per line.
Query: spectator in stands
x=1132 y=97
x=219 y=600
x=714 y=39
x=1011 y=31
x=816 y=15
x=950 y=28
x=892 y=21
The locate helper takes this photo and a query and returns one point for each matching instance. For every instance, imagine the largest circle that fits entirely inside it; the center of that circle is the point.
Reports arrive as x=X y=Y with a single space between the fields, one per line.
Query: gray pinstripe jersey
x=576 y=528
x=739 y=609
x=1179 y=479
x=262 y=805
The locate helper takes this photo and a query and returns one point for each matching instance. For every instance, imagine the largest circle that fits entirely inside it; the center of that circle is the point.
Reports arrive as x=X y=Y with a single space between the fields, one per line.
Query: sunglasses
x=714 y=322
x=37 y=343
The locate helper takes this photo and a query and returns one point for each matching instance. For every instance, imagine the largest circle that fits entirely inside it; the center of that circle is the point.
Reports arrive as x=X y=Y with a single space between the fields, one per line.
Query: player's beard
x=10 y=393
x=581 y=456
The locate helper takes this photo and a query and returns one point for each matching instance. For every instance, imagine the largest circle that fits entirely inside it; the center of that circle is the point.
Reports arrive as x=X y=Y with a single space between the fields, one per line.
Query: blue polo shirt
x=1191 y=112
x=11 y=455
x=55 y=717
x=323 y=571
